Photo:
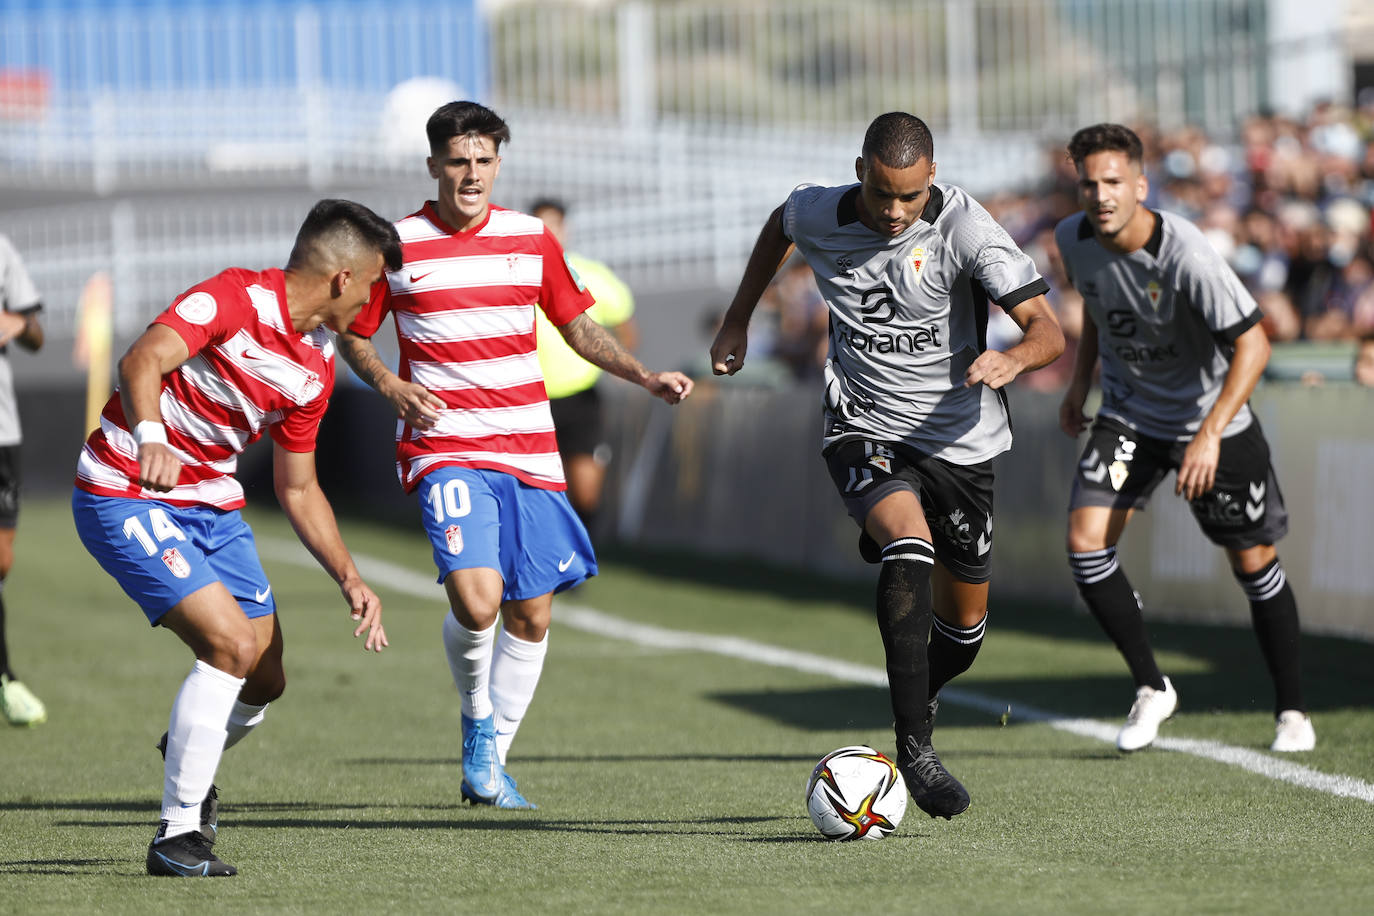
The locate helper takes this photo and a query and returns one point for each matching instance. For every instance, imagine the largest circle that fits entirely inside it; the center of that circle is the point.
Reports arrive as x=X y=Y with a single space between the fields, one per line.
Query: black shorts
x=9 y=486
x=577 y=421
x=1120 y=468
x=957 y=499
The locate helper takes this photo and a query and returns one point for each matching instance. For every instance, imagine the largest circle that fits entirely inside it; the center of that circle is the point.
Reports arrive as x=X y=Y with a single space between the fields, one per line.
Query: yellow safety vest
x=565 y=372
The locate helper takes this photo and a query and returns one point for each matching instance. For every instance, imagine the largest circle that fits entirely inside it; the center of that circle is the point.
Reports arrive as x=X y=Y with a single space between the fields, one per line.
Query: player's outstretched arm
x=298 y=491
x=1041 y=344
x=157 y=351
x=415 y=404
x=600 y=347
x=732 y=340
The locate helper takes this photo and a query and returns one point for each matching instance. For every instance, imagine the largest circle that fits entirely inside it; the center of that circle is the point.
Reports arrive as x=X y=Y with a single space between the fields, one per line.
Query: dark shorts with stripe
x=957 y=499
x=1120 y=468
x=577 y=422
x=9 y=486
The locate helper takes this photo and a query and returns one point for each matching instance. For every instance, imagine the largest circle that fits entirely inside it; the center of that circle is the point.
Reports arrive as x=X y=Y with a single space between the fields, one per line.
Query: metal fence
x=964 y=65
x=130 y=96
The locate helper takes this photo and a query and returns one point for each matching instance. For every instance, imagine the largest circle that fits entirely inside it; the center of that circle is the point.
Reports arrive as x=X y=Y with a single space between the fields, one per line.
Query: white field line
x=407 y=581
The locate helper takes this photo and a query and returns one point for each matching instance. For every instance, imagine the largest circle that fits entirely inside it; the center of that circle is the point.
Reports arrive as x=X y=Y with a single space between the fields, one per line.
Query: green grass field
x=669 y=774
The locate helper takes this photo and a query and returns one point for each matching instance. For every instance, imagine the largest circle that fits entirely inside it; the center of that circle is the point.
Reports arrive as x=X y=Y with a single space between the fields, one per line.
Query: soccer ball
x=855 y=793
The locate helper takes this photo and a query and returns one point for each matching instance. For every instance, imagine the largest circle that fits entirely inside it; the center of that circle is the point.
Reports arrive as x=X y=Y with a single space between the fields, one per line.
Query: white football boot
x=1293 y=732
x=1148 y=712
x=19 y=705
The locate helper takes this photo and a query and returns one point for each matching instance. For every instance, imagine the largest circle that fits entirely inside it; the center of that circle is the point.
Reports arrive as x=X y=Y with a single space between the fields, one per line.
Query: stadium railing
x=127 y=97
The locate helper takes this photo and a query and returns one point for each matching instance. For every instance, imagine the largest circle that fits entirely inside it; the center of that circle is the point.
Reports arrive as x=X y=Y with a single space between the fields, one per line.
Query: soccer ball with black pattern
x=855 y=793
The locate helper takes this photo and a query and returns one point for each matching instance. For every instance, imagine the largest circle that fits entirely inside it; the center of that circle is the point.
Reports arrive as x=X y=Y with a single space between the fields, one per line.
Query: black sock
x=1108 y=594
x=952 y=650
x=1274 y=611
x=4 y=648
x=904 y=612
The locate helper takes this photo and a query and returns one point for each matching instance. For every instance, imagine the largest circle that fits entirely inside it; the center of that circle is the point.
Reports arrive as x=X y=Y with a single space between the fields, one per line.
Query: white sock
x=243 y=718
x=515 y=671
x=469 y=658
x=195 y=742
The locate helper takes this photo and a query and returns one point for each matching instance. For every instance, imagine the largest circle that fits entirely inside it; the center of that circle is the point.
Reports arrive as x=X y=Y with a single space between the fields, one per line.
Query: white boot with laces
x=1150 y=709
x=1293 y=732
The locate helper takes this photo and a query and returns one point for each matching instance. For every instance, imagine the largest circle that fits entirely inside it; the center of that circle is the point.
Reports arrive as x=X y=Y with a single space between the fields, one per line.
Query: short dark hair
x=1106 y=138
x=549 y=203
x=899 y=140
x=459 y=119
x=337 y=228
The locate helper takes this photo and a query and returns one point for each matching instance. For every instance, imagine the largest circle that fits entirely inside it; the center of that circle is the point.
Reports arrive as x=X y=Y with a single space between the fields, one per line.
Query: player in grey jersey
x=1181 y=350
x=18 y=325
x=913 y=403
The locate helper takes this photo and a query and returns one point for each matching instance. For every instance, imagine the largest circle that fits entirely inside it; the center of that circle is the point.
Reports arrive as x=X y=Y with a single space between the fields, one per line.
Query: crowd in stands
x=1287 y=202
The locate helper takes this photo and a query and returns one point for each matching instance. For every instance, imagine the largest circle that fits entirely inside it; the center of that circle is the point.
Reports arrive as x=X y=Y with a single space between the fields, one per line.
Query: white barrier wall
x=737 y=471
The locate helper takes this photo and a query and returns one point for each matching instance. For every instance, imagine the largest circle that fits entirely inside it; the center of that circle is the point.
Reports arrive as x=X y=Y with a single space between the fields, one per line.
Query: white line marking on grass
x=408 y=581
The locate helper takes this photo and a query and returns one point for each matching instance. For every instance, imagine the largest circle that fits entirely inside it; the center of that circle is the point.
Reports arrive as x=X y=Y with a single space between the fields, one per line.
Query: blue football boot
x=481 y=765
x=507 y=797
x=186 y=855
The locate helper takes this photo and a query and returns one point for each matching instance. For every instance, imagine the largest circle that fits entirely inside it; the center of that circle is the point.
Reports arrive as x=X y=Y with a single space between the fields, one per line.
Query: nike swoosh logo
x=563 y=566
x=416 y=278
x=261 y=596
x=202 y=869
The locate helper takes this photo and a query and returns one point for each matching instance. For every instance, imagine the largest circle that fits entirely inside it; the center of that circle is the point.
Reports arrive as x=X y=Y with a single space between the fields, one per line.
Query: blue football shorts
x=160 y=553
x=490 y=519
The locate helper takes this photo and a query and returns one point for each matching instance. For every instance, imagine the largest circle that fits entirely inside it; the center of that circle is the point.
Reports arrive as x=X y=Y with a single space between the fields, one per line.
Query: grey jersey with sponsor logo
x=908 y=315
x=1167 y=316
x=17 y=294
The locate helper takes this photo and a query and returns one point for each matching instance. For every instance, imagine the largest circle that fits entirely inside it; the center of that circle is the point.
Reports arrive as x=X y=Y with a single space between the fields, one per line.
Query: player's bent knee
x=1252 y=559
x=1082 y=539
x=234 y=651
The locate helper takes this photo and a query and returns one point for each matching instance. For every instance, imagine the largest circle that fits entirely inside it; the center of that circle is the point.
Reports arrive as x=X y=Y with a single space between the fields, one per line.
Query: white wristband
x=149 y=431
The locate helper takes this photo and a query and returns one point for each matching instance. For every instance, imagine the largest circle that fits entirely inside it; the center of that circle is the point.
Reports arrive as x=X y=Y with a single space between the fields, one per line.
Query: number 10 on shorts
x=450 y=499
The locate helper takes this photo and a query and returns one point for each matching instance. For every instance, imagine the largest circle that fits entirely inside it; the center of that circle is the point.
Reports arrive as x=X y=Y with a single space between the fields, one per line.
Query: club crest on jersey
x=176 y=562
x=882 y=462
x=312 y=388
x=918 y=257
x=1153 y=291
x=197 y=308
x=577 y=278
x=454 y=535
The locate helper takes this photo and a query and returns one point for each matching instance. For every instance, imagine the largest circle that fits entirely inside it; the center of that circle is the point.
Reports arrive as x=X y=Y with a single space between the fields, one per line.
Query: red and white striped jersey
x=463 y=304
x=249 y=371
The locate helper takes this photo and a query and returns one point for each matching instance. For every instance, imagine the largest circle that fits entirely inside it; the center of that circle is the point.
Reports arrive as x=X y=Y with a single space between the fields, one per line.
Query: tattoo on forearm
x=599 y=347
x=363 y=358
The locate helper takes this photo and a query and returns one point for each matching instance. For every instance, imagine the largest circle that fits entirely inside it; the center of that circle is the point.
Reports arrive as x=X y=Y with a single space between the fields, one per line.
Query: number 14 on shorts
x=162 y=529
